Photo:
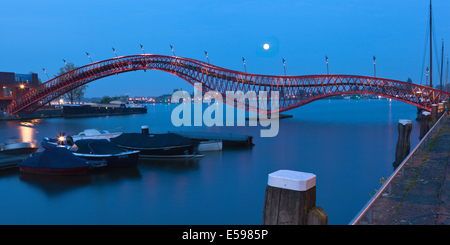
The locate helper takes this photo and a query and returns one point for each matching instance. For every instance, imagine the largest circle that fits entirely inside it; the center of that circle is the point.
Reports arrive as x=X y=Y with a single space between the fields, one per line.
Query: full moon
x=266 y=46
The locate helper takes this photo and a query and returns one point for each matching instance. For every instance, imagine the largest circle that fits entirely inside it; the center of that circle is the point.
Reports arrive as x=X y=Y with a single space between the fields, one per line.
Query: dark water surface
x=349 y=145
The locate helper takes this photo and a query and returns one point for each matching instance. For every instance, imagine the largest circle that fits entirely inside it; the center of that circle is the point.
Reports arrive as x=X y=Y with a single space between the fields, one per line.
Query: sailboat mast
x=431 y=52
x=442 y=62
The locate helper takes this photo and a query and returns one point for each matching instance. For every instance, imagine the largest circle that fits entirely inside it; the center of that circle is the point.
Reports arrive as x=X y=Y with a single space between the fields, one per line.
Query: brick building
x=13 y=85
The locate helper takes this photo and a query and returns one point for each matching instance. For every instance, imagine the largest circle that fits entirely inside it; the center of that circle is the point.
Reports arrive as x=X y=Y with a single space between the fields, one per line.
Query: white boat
x=210 y=145
x=15 y=146
x=95 y=134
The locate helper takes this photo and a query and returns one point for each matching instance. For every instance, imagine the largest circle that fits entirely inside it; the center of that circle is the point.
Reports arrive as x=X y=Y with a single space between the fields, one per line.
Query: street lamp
x=206 y=53
x=245 y=68
x=326 y=59
x=46 y=73
x=89 y=57
x=171 y=47
x=142 y=47
x=115 y=52
x=374 y=68
x=284 y=66
x=426 y=81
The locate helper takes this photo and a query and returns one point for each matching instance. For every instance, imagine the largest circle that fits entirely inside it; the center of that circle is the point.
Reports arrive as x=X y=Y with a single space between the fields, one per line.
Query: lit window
x=7 y=92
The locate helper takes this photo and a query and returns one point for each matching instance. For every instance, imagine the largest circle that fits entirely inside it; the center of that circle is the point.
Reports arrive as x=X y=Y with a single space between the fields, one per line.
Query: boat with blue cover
x=55 y=161
x=158 y=145
x=103 y=151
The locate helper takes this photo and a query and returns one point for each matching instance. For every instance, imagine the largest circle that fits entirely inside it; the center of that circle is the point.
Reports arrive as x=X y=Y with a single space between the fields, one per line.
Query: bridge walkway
x=422 y=195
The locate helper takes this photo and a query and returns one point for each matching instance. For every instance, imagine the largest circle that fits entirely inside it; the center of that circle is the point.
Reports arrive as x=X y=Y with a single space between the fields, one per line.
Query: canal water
x=349 y=145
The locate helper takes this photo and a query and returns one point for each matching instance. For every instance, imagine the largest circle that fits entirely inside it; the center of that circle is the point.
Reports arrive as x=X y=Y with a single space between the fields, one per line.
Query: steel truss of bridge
x=293 y=91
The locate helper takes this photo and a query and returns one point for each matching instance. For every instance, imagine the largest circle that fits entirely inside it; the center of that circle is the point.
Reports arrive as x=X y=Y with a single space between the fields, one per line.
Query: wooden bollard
x=144 y=129
x=424 y=124
x=291 y=198
x=434 y=110
x=440 y=109
x=403 y=143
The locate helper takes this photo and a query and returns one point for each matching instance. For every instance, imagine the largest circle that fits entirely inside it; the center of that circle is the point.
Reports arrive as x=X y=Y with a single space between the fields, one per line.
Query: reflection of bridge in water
x=294 y=91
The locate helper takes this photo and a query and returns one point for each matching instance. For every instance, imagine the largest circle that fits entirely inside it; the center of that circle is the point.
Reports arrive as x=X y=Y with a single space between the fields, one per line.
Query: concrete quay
x=422 y=195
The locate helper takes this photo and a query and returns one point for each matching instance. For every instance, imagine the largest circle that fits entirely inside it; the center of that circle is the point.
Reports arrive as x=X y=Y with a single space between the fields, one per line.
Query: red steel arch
x=294 y=91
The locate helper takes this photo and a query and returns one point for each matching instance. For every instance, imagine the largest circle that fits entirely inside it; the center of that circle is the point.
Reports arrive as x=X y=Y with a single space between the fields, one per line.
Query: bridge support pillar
x=291 y=200
x=434 y=111
x=424 y=124
x=403 y=143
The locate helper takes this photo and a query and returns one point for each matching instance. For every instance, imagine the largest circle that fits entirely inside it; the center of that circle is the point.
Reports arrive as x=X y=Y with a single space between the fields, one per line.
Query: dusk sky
x=40 y=34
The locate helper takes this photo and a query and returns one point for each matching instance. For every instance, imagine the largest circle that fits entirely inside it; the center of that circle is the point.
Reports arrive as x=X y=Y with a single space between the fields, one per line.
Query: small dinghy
x=61 y=141
x=103 y=151
x=55 y=161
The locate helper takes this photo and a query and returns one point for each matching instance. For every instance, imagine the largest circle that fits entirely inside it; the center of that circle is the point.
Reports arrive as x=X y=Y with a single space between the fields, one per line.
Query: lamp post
x=115 y=52
x=426 y=81
x=171 y=47
x=89 y=57
x=326 y=59
x=374 y=67
x=206 y=53
x=65 y=62
x=142 y=47
x=245 y=68
x=284 y=66
x=46 y=73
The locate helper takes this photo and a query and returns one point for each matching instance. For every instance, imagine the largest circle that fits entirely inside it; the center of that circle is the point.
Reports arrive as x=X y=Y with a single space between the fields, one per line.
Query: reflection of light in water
x=27 y=131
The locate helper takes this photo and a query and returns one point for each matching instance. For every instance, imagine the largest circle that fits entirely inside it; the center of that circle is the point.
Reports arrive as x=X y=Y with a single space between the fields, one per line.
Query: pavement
x=422 y=195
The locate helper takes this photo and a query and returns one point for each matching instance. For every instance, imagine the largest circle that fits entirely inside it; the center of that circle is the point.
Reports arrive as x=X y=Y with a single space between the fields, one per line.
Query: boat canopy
x=54 y=158
x=139 y=140
x=96 y=146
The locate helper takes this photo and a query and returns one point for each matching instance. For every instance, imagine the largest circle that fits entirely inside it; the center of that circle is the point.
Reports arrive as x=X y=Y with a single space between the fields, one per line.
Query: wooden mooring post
x=434 y=112
x=291 y=200
x=440 y=109
x=403 y=143
x=144 y=129
x=424 y=124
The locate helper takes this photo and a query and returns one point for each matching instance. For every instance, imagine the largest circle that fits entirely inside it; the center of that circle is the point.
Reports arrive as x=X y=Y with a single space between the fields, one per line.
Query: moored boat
x=15 y=146
x=55 y=161
x=67 y=141
x=55 y=142
x=158 y=145
x=95 y=134
x=209 y=145
x=230 y=140
x=103 y=151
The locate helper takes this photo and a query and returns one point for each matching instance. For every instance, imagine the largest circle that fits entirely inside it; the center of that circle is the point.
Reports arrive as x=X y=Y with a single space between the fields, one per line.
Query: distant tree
x=105 y=100
x=75 y=94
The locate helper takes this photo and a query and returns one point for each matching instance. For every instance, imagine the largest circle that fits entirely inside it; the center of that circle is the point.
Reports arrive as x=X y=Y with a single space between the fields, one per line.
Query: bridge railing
x=368 y=208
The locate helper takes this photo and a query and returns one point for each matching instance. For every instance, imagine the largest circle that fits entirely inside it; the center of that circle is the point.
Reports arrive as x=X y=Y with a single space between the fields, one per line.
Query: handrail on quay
x=367 y=209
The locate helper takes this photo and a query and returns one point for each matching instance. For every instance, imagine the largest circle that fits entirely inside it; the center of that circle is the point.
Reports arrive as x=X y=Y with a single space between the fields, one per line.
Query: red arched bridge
x=294 y=91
